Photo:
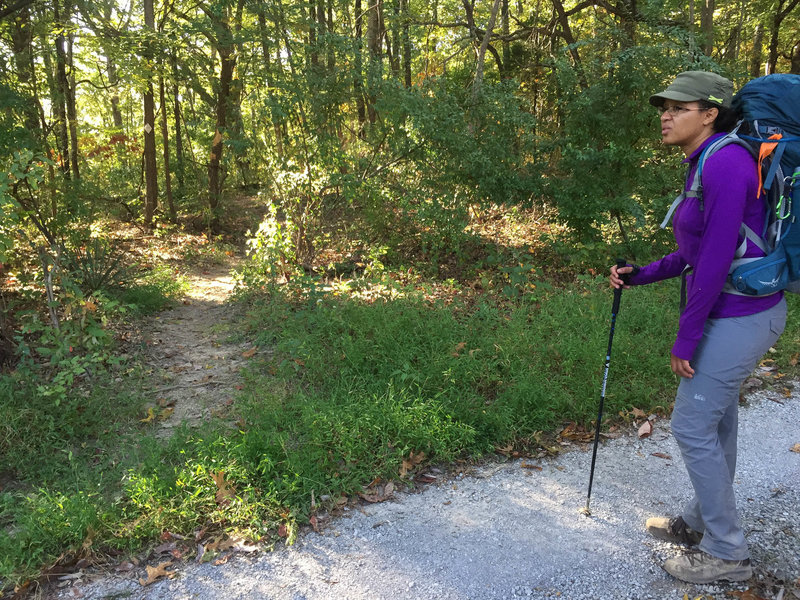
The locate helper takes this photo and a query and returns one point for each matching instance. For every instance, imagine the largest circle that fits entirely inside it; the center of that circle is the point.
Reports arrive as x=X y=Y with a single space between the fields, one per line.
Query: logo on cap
x=715 y=99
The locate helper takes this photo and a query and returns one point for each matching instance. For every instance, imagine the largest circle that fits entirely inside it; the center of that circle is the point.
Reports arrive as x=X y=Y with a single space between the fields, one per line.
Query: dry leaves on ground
x=377 y=492
x=157 y=572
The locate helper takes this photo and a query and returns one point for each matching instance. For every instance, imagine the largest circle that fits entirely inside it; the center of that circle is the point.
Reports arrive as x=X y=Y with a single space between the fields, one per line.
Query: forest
x=482 y=160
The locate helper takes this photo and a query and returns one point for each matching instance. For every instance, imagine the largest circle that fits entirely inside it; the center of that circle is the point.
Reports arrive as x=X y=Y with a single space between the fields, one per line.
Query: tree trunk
x=566 y=34
x=329 y=44
x=758 y=46
x=707 y=26
x=375 y=68
x=176 y=117
x=113 y=80
x=60 y=95
x=795 y=59
x=22 y=44
x=506 y=28
x=478 y=83
x=150 y=165
x=72 y=112
x=406 y=42
x=358 y=80
x=227 y=53
x=173 y=217
x=785 y=7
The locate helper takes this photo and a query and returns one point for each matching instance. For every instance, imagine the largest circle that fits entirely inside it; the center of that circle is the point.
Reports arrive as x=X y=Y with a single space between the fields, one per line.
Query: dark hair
x=726 y=118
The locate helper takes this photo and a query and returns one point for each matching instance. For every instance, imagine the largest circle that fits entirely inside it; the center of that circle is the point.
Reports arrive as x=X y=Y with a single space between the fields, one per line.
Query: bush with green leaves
x=606 y=183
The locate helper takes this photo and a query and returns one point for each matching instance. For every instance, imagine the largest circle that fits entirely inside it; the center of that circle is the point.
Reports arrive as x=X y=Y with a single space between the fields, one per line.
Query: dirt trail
x=190 y=351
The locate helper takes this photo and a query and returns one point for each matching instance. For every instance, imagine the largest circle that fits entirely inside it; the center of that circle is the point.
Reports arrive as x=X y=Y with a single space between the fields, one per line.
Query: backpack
x=770 y=130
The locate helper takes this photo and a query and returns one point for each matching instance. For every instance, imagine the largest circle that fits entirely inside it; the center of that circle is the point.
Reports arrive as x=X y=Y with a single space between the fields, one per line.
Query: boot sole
x=742 y=574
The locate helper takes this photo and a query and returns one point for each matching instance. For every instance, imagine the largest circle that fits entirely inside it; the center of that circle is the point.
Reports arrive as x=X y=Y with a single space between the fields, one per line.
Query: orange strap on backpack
x=765 y=150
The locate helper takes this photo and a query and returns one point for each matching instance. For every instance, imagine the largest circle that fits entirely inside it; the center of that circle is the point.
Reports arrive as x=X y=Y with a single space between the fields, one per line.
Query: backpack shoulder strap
x=695 y=189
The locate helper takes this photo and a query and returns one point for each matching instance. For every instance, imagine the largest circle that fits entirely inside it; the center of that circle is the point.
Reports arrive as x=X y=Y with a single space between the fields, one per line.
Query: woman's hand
x=681 y=367
x=616 y=276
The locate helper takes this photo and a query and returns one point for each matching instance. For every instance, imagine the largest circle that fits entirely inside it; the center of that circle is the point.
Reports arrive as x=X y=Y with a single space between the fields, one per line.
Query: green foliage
x=154 y=290
x=606 y=185
x=97 y=265
x=438 y=152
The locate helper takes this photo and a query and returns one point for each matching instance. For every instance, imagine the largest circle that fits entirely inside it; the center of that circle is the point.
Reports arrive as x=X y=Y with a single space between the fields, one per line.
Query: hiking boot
x=673 y=530
x=699 y=567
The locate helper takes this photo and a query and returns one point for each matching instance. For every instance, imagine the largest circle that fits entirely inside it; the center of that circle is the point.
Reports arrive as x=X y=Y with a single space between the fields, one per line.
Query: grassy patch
x=362 y=378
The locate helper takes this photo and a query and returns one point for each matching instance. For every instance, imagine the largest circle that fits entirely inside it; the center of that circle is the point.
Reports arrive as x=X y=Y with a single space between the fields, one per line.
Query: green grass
x=352 y=389
x=154 y=291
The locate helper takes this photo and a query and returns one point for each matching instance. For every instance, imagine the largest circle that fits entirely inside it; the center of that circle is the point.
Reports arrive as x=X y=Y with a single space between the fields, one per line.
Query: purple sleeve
x=729 y=179
x=670 y=266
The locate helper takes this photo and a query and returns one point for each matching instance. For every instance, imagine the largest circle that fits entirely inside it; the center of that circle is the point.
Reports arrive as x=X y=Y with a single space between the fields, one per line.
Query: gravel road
x=509 y=531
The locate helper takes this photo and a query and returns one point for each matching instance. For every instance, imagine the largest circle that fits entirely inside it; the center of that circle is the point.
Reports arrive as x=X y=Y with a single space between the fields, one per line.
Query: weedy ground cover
x=366 y=380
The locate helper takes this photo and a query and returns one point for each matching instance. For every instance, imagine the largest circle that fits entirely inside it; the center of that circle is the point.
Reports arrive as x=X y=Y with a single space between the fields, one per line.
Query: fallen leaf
x=157 y=572
x=459 y=347
x=795 y=448
x=645 y=429
x=409 y=463
x=378 y=493
x=661 y=455
x=150 y=416
x=166 y=413
x=283 y=531
x=639 y=413
x=225 y=491
x=748 y=594
x=575 y=433
x=164 y=548
x=525 y=465
x=249 y=353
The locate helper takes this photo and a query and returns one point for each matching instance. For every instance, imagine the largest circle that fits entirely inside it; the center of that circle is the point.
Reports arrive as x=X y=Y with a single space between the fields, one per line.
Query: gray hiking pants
x=705 y=423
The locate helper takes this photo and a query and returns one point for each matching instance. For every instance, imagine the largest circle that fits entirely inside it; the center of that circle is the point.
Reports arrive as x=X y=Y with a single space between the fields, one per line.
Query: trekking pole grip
x=621 y=262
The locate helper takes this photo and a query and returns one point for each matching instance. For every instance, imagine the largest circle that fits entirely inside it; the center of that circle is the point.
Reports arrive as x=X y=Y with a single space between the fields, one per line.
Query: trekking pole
x=614 y=311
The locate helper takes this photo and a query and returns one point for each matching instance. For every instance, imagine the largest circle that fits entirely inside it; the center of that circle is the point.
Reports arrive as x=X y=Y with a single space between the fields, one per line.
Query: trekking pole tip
x=585 y=511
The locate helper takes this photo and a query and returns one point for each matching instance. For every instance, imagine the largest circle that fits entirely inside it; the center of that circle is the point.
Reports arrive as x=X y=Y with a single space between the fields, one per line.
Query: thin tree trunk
x=566 y=33
x=176 y=117
x=227 y=53
x=173 y=217
x=478 y=83
x=150 y=165
x=707 y=26
x=406 y=43
x=72 y=112
x=331 y=49
x=358 y=80
x=22 y=44
x=795 y=60
x=758 y=46
x=375 y=68
x=785 y=8
x=60 y=95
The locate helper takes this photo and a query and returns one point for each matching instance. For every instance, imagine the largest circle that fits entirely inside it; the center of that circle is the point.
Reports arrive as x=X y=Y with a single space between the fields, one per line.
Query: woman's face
x=686 y=125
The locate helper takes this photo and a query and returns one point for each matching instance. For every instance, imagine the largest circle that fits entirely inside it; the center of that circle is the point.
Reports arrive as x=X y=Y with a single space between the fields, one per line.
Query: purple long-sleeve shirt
x=707 y=240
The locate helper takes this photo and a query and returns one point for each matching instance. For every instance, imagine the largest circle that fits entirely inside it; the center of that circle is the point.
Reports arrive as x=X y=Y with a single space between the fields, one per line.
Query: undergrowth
x=367 y=377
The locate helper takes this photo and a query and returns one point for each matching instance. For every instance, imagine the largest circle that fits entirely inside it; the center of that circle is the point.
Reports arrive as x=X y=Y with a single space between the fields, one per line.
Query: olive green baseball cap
x=696 y=85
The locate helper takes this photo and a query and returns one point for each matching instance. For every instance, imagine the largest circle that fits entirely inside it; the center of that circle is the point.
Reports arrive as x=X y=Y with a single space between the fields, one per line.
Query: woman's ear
x=710 y=115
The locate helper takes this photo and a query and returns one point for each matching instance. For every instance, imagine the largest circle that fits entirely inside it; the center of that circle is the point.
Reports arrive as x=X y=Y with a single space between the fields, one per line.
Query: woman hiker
x=721 y=336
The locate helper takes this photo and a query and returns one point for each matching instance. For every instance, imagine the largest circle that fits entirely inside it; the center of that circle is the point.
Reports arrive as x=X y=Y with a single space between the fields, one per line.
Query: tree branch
x=4 y=12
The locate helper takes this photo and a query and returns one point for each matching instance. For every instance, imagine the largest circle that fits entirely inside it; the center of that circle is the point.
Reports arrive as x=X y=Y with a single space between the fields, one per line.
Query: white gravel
x=506 y=531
